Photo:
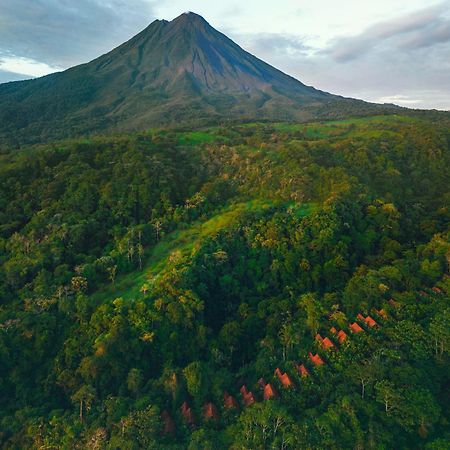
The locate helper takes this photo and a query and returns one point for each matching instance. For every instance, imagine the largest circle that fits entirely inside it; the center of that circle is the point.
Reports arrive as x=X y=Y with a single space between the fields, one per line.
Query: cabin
x=342 y=336
x=210 y=411
x=355 y=328
x=436 y=290
x=370 y=322
x=284 y=378
x=187 y=414
x=247 y=396
x=230 y=402
x=269 y=392
x=327 y=344
x=324 y=342
x=316 y=359
x=302 y=370
x=333 y=330
x=382 y=313
x=393 y=303
x=168 y=423
x=360 y=317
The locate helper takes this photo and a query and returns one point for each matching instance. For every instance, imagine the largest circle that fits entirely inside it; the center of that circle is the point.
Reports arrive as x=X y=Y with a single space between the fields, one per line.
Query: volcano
x=178 y=72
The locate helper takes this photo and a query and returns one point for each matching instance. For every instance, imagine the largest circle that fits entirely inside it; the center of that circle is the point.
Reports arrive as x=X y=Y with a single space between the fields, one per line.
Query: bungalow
x=342 y=336
x=168 y=423
x=327 y=344
x=355 y=328
x=333 y=330
x=324 y=342
x=210 y=411
x=187 y=414
x=284 y=378
x=269 y=392
x=262 y=383
x=316 y=359
x=230 y=402
x=370 y=322
x=436 y=290
x=247 y=396
x=382 y=313
x=360 y=317
x=302 y=370
x=393 y=303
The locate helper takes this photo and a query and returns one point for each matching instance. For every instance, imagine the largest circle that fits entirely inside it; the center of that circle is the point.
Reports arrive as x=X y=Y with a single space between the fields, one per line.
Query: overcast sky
x=384 y=51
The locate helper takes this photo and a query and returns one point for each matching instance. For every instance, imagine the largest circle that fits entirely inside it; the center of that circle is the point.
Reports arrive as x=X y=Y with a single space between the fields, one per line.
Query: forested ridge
x=255 y=286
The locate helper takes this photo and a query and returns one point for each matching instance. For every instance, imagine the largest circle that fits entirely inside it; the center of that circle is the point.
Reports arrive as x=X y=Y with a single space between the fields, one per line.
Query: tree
x=134 y=380
x=388 y=395
x=313 y=312
x=84 y=396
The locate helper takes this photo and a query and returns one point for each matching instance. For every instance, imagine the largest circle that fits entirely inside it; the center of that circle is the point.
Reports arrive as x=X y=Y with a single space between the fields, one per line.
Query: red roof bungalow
x=342 y=336
x=436 y=290
x=168 y=423
x=355 y=328
x=327 y=344
x=382 y=313
x=247 y=396
x=423 y=294
x=210 y=411
x=360 y=317
x=302 y=370
x=324 y=342
x=230 y=402
x=269 y=392
x=370 y=322
x=393 y=303
x=187 y=414
x=284 y=378
x=262 y=383
x=316 y=359
x=333 y=330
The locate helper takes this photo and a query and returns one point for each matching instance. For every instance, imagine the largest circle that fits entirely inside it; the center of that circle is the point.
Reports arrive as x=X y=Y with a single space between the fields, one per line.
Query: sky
x=381 y=51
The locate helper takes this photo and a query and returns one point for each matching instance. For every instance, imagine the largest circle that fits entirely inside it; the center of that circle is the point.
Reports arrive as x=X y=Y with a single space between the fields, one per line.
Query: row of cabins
x=210 y=411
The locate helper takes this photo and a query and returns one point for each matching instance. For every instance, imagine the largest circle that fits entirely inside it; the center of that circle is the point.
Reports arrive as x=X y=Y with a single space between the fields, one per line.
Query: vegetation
x=146 y=279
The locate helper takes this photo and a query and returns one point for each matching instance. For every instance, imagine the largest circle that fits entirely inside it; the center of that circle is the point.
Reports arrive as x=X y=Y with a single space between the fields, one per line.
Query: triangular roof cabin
x=302 y=370
x=333 y=330
x=342 y=336
x=370 y=322
x=269 y=392
x=327 y=344
x=187 y=414
x=210 y=411
x=382 y=313
x=229 y=401
x=284 y=378
x=393 y=303
x=316 y=359
x=168 y=423
x=360 y=317
x=355 y=328
x=247 y=396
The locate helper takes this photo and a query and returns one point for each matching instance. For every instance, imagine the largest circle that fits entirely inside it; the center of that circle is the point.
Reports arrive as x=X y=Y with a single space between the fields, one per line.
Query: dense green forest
x=152 y=284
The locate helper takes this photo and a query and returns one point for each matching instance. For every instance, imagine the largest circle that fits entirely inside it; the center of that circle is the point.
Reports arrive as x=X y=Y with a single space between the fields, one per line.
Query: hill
x=172 y=73
x=242 y=287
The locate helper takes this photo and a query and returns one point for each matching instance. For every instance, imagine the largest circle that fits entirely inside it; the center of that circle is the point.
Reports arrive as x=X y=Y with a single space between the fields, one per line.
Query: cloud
x=424 y=28
x=26 y=66
x=68 y=32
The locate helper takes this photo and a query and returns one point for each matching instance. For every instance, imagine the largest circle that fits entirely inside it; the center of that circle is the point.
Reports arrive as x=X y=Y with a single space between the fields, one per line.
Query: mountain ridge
x=182 y=71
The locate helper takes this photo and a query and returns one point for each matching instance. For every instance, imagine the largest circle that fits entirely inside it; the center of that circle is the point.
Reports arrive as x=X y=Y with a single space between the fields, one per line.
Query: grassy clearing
x=185 y=242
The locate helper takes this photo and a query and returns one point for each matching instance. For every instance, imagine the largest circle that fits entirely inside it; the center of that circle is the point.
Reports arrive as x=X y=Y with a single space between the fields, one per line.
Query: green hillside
x=151 y=285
